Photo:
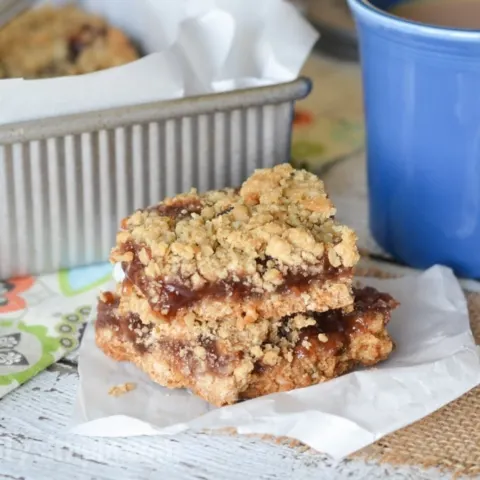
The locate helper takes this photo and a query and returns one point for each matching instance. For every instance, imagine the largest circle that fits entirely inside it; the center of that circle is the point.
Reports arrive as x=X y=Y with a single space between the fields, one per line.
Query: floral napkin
x=42 y=319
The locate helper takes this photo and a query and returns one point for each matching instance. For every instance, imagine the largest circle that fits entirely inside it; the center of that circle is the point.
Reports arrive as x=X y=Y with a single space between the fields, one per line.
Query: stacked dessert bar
x=240 y=293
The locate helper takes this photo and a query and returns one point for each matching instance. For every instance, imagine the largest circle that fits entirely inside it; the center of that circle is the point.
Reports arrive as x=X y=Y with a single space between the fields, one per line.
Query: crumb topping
x=279 y=225
x=118 y=390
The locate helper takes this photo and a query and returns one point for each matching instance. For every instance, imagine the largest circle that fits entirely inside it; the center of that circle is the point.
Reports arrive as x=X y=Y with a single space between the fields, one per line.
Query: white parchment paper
x=435 y=362
x=192 y=47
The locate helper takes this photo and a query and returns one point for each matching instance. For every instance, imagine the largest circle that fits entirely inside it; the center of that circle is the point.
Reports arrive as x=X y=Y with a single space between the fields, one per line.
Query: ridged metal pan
x=66 y=182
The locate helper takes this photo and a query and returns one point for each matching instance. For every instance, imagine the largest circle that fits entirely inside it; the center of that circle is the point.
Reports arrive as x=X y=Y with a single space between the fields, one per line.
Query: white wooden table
x=35 y=443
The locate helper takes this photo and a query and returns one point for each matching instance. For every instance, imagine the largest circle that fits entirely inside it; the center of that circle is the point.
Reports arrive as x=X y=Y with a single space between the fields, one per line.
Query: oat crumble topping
x=279 y=225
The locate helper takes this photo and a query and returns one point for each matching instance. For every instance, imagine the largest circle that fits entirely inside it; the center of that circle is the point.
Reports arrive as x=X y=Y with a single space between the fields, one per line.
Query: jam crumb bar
x=223 y=363
x=57 y=41
x=240 y=293
x=268 y=250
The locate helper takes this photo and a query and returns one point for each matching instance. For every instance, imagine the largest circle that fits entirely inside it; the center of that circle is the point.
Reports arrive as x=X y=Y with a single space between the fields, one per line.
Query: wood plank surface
x=35 y=445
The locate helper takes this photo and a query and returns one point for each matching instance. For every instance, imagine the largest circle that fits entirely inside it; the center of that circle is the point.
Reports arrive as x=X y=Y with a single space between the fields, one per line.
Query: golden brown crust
x=274 y=238
x=223 y=363
x=50 y=42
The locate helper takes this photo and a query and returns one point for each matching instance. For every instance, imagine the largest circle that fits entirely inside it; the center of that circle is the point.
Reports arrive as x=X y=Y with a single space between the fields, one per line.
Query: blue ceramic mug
x=422 y=106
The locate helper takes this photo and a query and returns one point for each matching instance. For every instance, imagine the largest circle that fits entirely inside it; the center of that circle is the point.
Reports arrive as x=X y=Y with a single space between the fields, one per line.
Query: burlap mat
x=449 y=439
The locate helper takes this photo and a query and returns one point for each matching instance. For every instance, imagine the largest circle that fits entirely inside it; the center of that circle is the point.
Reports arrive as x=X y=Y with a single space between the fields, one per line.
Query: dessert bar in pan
x=57 y=41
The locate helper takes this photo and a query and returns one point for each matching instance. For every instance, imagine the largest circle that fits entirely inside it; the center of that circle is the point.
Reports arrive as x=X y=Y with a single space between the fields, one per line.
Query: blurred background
x=329 y=123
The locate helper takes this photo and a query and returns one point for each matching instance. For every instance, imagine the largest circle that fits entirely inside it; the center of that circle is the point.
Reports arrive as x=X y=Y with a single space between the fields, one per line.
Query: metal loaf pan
x=66 y=182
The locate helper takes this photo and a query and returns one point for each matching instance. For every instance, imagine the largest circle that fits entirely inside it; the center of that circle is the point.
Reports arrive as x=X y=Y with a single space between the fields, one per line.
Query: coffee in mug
x=446 y=13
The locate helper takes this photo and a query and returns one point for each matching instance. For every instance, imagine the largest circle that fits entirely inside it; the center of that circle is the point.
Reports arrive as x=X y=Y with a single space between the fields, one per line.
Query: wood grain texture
x=35 y=444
